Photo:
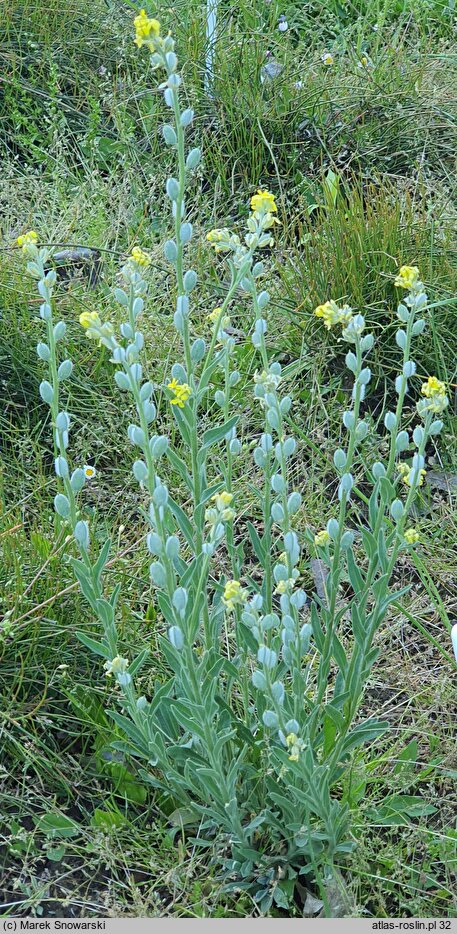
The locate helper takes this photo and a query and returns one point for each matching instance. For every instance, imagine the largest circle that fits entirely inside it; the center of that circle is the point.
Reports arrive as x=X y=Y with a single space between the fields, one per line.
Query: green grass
x=363 y=164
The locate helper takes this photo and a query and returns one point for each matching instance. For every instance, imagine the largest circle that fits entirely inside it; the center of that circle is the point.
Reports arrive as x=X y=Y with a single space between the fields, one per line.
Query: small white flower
x=89 y=472
x=283 y=25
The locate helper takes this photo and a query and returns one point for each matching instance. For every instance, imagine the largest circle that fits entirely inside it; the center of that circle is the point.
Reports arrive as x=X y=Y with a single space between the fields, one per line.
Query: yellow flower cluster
x=405 y=471
x=433 y=387
x=181 y=393
x=28 y=242
x=411 y=536
x=321 y=538
x=295 y=746
x=214 y=315
x=263 y=202
x=116 y=666
x=147 y=30
x=95 y=329
x=89 y=319
x=233 y=594
x=332 y=315
x=407 y=278
x=222 y=240
x=435 y=393
x=286 y=586
x=263 y=207
x=222 y=502
x=140 y=257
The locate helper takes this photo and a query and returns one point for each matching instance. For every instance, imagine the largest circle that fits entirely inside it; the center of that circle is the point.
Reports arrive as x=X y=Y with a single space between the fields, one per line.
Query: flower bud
x=61 y=467
x=332 y=528
x=62 y=505
x=270 y=719
x=277 y=513
x=186 y=117
x=197 y=351
x=418 y=436
x=193 y=159
x=169 y=135
x=400 y=338
x=158 y=575
x=170 y=251
x=81 y=534
x=294 y=502
x=267 y=657
x=436 y=427
x=418 y=327
x=46 y=392
x=59 y=330
x=43 y=351
x=172 y=547
x=339 y=459
x=77 y=479
x=378 y=470
x=259 y=681
x=185 y=232
x=190 y=280
x=397 y=510
x=278 y=483
x=180 y=598
x=390 y=421
x=402 y=441
x=140 y=471
x=65 y=370
x=176 y=637
x=154 y=543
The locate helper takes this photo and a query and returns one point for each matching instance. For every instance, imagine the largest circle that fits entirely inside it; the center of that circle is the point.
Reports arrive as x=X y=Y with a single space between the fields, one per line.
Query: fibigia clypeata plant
x=255 y=729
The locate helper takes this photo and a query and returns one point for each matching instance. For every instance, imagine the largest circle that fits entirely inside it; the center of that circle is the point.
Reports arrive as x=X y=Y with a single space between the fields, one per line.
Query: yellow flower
x=28 y=242
x=213 y=315
x=435 y=392
x=222 y=500
x=404 y=470
x=263 y=201
x=433 y=387
x=328 y=59
x=407 y=278
x=221 y=509
x=116 y=666
x=181 y=393
x=285 y=586
x=411 y=536
x=28 y=238
x=89 y=319
x=89 y=472
x=233 y=594
x=295 y=745
x=333 y=315
x=321 y=538
x=140 y=257
x=146 y=30
x=222 y=240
